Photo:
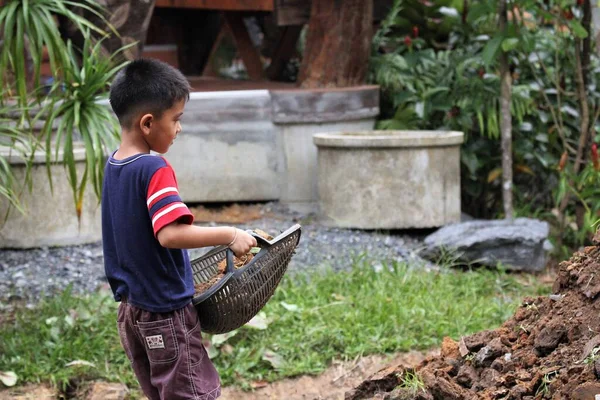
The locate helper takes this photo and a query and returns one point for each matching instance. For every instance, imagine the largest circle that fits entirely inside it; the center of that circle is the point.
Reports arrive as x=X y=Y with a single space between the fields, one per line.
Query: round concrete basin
x=389 y=179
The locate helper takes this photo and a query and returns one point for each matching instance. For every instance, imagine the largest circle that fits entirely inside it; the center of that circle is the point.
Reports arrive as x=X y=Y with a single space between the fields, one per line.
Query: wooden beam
x=223 y=5
x=297 y=12
x=284 y=50
x=208 y=67
x=292 y=12
x=249 y=54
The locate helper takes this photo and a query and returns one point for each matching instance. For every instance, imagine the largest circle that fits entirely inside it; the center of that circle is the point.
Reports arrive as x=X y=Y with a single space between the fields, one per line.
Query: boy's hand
x=242 y=243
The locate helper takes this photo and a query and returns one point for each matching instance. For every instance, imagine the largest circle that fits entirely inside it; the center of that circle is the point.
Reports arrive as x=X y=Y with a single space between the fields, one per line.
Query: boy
x=145 y=227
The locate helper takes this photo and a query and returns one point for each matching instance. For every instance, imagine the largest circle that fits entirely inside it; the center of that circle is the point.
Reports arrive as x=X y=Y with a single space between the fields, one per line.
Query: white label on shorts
x=155 y=342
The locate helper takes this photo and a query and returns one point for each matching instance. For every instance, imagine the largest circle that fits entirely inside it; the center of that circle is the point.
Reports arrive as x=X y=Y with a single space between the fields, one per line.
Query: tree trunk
x=130 y=18
x=506 y=121
x=582 y=60
x=338 y=44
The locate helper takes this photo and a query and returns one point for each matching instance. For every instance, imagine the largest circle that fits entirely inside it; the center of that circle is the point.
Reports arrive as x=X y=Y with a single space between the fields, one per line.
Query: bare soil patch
x=330 y=385
x=230 y=214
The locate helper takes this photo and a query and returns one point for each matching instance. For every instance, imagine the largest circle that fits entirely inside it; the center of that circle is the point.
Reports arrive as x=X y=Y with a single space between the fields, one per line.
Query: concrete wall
x=257 y=145
x=229 y=149
x=51 y=219
x=389 y=180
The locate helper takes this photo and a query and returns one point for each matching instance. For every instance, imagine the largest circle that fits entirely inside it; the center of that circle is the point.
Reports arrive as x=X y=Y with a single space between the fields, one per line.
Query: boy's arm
x=183 y=236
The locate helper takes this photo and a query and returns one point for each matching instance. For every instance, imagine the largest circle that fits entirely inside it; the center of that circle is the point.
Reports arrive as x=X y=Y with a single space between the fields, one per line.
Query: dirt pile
x=549 y=349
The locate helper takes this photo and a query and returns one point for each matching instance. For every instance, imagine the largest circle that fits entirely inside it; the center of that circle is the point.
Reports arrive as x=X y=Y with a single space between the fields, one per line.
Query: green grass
x=312 y=319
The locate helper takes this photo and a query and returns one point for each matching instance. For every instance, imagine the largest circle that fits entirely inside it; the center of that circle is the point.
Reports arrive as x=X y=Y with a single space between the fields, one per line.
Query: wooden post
x=284 y=50
x=247 y=51
x=338 y=44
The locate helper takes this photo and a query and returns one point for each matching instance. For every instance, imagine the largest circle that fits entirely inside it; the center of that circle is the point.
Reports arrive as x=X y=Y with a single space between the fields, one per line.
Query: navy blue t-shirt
x=139 y=197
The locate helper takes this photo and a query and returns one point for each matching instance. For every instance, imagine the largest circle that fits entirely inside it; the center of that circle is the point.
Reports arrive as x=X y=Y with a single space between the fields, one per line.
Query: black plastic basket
x=237 y=297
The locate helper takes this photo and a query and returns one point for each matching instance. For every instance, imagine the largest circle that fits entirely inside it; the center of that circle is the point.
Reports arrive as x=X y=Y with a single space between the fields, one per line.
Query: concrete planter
x=300 y=113
x=50 y=218
x=389 y=179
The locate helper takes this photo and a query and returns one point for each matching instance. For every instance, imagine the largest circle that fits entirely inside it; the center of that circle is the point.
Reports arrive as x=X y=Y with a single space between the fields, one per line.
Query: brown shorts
x=166 y=353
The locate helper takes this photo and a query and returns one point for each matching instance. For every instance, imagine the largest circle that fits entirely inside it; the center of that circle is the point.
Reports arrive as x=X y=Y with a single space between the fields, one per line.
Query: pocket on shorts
x=160 y=340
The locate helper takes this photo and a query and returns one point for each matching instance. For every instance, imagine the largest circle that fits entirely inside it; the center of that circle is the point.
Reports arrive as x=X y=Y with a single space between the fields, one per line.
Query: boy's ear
x=146 y=123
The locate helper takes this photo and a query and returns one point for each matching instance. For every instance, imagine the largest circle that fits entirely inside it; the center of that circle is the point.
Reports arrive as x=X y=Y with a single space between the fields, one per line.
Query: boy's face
x=161 y=132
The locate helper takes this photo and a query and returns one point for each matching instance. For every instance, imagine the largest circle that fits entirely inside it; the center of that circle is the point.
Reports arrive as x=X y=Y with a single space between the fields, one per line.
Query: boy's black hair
x=146 y=85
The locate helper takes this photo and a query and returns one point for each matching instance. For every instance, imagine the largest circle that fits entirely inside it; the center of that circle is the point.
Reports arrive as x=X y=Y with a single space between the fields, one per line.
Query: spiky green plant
x=28 y=27
x=75 y=110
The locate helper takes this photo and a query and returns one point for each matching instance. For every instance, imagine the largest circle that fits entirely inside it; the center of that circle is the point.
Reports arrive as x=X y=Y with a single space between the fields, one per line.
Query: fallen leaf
x=259 y=384
x=8 y=378
x=217 y=340
x=290 y=307
x=211 y=350
x=274 y=359
x=260 y=321
x=255 y=250
x=227 y=348
x=494 y=174
x=80 y=362
x=69 y=320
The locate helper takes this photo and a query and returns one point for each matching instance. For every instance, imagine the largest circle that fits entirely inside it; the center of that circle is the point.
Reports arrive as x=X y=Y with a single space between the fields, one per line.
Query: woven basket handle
x=230 y=264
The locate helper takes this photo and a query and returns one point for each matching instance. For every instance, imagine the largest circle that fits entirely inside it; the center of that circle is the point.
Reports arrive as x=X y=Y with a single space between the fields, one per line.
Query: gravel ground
x=25 y=275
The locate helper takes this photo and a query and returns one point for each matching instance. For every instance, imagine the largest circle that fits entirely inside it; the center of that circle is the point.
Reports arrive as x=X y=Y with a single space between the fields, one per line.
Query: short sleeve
x=164 y=204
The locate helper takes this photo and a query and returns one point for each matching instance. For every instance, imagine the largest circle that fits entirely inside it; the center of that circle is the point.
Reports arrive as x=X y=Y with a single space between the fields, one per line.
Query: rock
x=549 y=338
x=477 y=340
x=462 y=347
x=489 y=378
x=384 y=380
x=443 y=389
x=518 y=244
x=467 y=376
x=450 y=348
x=589 y=347
x=408 y=394
x=528 y=360
x=29 y=392
x=586 y=391
x=106 y=391
x=489 y=353
x=518 y=391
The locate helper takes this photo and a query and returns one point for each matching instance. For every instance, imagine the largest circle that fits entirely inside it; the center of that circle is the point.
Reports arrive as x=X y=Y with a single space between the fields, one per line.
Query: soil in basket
x=549 y=349
x=222 y=266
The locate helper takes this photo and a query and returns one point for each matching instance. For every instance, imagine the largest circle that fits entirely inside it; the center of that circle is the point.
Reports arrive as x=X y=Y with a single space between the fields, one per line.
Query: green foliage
x=411 y=381
x=28 y=27
x=38 y=345
x=73 y=108
x=443 y=90
x=14 y=144
x=456 y=87
x=585 y=187
x=429 y=22
x=70 y=109
x=310 y=321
